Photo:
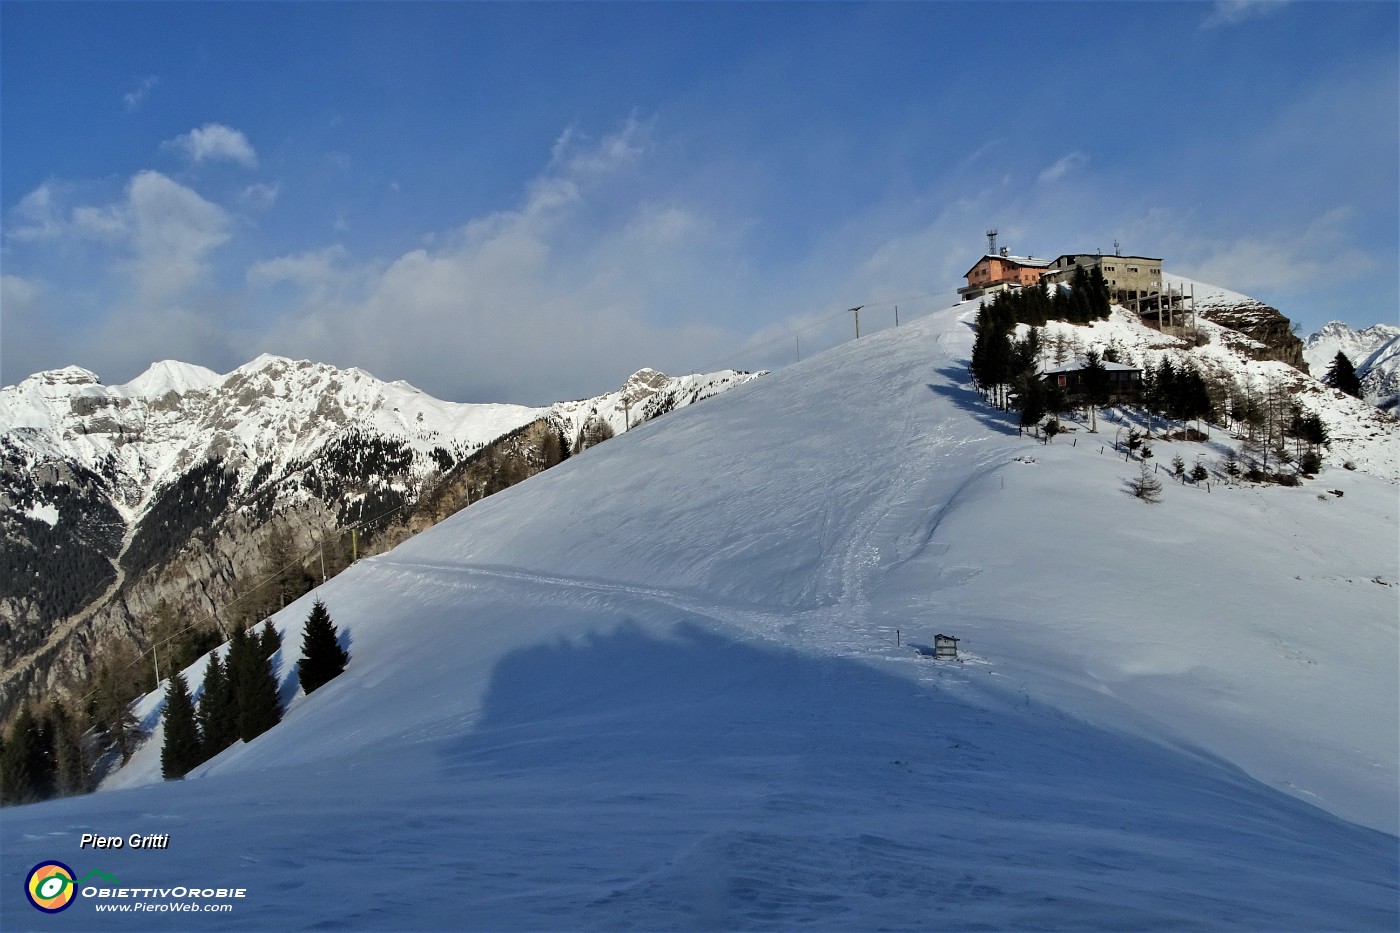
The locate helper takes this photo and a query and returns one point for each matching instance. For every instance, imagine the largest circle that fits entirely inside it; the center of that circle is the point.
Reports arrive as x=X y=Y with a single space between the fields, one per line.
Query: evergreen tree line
x=238 y=699
x=1001 y=364
x=42 y=756
x=1087 y=299
x=1176 y=392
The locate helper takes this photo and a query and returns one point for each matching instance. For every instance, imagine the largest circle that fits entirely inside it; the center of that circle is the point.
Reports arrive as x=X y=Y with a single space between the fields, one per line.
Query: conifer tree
x=181 y=751
x=1341 y=375
x=70 y=768
x=1095 y=376
x=322 y=657
x=269 y=640
x=19 y=782
x=218 y=710
x=1146 y=487
x=254 y=686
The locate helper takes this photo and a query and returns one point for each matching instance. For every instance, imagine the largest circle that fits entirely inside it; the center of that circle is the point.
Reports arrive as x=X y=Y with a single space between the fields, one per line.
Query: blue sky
x=527 y=202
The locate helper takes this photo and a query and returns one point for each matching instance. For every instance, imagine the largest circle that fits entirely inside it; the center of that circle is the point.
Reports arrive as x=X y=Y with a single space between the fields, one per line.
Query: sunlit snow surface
x=657 y=687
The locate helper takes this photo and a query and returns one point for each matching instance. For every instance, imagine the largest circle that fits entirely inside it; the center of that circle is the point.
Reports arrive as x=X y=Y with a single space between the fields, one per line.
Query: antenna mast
x=992 y=242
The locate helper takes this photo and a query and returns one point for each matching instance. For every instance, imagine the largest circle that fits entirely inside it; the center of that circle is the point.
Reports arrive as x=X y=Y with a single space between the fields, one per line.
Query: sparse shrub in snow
x=1178 y=466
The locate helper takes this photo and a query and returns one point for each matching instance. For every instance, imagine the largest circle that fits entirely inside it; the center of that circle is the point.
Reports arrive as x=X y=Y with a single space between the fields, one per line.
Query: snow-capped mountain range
x=1374 y=351
x=682 y=682
x=102 y=487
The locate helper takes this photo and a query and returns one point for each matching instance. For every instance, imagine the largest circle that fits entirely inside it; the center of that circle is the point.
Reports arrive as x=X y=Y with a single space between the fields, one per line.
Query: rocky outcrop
x=1265 y=325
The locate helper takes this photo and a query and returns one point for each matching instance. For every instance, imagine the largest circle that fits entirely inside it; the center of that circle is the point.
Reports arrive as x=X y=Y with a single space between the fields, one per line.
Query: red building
x=996 y=272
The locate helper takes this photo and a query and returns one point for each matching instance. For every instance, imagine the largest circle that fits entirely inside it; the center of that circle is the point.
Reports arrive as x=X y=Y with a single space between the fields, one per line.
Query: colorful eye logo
x=50 y=887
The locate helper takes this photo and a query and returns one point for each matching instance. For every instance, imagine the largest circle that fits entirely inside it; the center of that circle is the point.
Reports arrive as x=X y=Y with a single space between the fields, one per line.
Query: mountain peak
x=66 y=376
x=168 y=376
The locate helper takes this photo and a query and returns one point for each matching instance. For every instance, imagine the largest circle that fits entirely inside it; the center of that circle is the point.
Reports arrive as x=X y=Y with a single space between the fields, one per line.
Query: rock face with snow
x=1261 y=323
x=1374 y=351
x=167 y=488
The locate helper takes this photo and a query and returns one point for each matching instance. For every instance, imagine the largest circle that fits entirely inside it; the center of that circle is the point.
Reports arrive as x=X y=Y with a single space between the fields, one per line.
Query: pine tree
x=70 y=768
x=1031 y=400
x=254 y=686
x=269 y=641
x=1341 y=375
x=181 y=751
x=1232 y=464
x=1146 y=487
x=218 y=710
x=18 y=781
x=322 y=657
x=1095 y=376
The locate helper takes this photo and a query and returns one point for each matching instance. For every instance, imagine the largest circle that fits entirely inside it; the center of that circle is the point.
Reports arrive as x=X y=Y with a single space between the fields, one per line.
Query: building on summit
x=1129 y=278
x=999 y=271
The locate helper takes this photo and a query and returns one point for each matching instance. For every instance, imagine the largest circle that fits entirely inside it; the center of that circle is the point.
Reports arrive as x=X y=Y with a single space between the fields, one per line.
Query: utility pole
x=626 y=414
x=856 y=312
x=896 y=315
x=322 y=550
x=798 y=338
x=354 y=545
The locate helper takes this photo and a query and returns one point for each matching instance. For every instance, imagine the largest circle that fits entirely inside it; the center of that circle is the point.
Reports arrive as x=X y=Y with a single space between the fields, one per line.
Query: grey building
x=1128 y=277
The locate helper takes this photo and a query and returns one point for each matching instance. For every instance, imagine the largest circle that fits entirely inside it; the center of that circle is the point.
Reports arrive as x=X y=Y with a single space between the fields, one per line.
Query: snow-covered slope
x=658 y=687
x=1374 y=351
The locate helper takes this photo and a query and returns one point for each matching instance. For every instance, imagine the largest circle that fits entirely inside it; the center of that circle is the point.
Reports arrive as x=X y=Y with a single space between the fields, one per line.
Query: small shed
x=945 y=646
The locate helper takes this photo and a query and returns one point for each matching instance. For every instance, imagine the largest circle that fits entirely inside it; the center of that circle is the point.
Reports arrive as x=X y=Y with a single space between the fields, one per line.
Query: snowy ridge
x=658 y=687
x=267 y=414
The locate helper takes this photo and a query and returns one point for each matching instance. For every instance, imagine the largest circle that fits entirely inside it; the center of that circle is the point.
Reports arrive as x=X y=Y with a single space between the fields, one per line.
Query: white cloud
x=260 y=196
x=315 y=269
x=551 y=299
x=1296 y=259
x=574 y=156
x=173 y=230
x=136 y=97
x=36 y=216
x=1231 y=12
x=214 y=141
x=1062 y=167
x=100 y=223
